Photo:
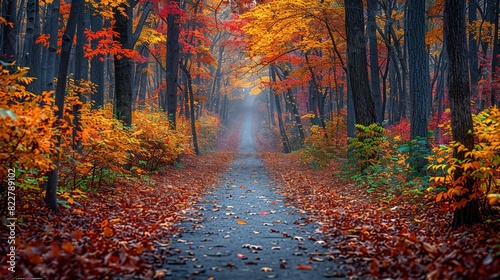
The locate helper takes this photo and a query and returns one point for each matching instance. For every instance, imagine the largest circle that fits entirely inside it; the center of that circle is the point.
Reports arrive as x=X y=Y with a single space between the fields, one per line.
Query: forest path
x=244 y=230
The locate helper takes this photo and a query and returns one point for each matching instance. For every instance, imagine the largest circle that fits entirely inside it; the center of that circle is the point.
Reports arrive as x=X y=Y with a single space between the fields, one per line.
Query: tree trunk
x=459 y=94
x=67 y=41
x=97 y=63
x=9 y=36
x=173 y=51
x=284 y=137
x=191 y=107
x=475 y=75
x=420 y=94
x=357 y=63
x=51 y=55
x=123 y=66
x=495 y=58
x=371 y=30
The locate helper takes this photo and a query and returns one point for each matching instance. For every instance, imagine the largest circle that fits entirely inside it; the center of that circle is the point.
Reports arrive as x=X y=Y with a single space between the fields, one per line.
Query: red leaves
x=114 y=230
x=304 y=267
x=400 y=237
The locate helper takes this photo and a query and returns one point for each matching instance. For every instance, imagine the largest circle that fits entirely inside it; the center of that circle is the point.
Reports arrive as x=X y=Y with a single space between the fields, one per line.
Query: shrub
x=321 y=146
x=481 y=164
x=159 y=145
x=28 y=131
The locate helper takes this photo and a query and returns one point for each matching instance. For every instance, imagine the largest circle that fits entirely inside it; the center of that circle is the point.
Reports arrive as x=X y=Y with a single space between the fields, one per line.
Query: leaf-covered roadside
x=111 y=232
x=376 y=236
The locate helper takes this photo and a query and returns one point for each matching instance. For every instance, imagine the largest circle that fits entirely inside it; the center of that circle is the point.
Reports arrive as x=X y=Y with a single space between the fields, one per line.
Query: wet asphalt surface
x=244 y=230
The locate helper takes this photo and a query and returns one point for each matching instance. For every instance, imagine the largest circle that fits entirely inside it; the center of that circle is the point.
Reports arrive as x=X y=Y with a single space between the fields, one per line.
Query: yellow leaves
x=151 y=37
x=275 y=27
x=493 y=198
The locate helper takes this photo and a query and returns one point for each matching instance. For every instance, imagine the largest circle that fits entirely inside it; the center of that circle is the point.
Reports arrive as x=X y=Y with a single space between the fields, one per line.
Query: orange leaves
x=27 y=132
x=108 y=232
x=107 y=45
x=68 y=248
x=304 y=267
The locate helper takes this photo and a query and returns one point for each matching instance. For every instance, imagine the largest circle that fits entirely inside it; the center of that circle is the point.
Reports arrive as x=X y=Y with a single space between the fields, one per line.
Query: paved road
x=243 y=230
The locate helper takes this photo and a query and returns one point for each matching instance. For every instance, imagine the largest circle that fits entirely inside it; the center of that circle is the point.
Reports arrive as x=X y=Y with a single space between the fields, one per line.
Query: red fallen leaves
x=304 y=267
x=114 y=230
x=402 y=237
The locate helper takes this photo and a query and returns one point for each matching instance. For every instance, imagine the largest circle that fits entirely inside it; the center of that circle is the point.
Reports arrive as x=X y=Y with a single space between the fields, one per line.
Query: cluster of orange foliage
x=96 y=148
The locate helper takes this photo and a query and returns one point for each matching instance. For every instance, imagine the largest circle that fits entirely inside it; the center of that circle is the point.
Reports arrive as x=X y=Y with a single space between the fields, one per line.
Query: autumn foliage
x=28 y=129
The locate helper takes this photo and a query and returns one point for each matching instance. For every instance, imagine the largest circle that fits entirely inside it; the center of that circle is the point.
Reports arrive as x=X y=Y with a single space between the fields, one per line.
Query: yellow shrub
x=159 y=145
x=207 y=129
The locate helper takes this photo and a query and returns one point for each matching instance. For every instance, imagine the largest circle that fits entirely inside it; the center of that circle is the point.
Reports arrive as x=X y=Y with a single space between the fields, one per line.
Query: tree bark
x=459 y=94
x=51 y=55
x=123 y=66
x=284 y=137
x=420 y=94
x=67 y=42
x=9 y=36
x=173 y=51
x=191 y=108
x=371 y=32
x=473 y=48
x=97 y=63
x=495 y=58
x=357 y=63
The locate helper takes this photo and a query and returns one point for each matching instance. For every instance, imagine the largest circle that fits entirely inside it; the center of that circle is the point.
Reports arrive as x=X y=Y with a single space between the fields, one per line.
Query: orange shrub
x=28 y=133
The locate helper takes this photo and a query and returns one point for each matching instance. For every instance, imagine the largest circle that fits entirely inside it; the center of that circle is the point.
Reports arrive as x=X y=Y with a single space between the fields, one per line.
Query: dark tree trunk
x=371 y=30
x=294 y=112
x=357 y=63
x=67 y=41
x=9 y=36
x=475 y=75
x=81 y=73
x=420 y=94
x=284 y=138
x=123 y=66
x=459 y=94
x=191 y=108
x=51 y=55
x=495 y=58
x=173 y=51
x=26 y=58
x=97 y=63
x=351 y=115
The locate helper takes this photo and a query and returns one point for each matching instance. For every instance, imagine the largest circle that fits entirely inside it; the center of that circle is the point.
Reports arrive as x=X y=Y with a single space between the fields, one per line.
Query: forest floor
x=240 y=213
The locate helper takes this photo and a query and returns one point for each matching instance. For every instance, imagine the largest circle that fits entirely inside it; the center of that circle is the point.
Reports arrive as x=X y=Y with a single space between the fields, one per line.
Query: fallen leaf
x=304 y=267
x=68 y=248
x=266 y=269
x=108 y=232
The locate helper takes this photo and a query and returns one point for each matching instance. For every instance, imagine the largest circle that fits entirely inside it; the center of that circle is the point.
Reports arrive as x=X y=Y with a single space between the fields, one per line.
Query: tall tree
x=97 y=64
x=460 y=94
x=9 y=36
x=173 y=51
x=371 y=32
x=67 y=42
x=357 y=63
x=123 y=64
x=420 y=94
x=53 y=27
